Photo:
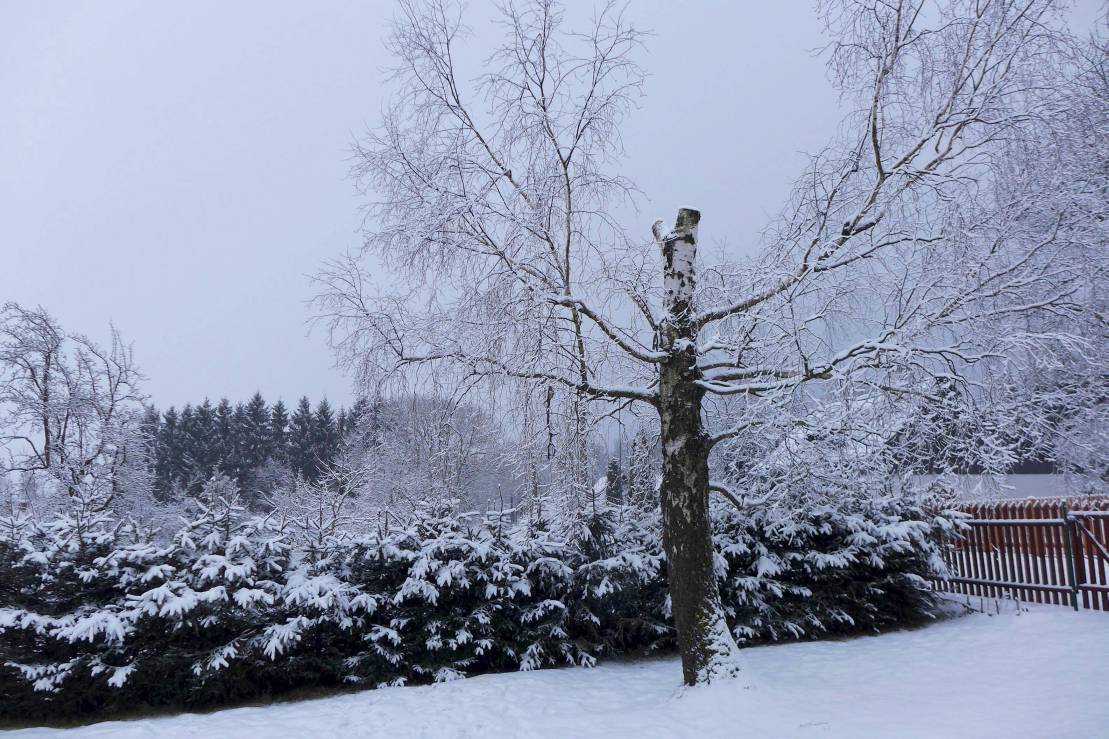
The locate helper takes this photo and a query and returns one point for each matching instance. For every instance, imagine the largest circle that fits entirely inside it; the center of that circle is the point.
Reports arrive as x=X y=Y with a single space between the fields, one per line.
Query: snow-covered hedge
x=97 y=616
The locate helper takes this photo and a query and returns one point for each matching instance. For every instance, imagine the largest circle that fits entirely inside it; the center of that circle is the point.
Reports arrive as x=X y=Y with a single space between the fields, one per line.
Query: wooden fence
x=1051 y=550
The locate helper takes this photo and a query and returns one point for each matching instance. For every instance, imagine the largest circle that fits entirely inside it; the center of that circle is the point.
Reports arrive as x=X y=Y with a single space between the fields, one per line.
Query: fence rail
x=1051 y=550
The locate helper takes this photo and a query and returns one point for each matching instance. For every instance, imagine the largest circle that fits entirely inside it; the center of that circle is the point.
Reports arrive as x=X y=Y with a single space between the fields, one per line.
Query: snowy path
x=1041 y=674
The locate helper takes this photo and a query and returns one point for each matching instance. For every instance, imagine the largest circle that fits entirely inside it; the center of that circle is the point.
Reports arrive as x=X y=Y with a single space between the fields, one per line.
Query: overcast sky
x=180 y=168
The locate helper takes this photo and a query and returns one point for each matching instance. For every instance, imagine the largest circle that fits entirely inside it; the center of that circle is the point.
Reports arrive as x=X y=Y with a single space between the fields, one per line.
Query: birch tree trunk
x=707 y=647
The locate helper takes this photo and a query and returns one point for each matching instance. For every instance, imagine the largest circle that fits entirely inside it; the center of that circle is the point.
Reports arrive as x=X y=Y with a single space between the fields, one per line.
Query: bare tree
x=907 y=255
x=319 y=511
x=69 y=408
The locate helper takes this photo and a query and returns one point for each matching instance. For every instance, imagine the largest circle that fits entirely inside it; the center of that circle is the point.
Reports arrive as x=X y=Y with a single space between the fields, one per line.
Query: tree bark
x=706 y=644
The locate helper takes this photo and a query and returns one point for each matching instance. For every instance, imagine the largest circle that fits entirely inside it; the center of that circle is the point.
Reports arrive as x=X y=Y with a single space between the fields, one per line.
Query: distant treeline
x=256 y=444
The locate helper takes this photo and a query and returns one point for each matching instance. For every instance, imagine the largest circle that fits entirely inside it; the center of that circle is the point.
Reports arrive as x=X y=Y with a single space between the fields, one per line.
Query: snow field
x=1040 y=674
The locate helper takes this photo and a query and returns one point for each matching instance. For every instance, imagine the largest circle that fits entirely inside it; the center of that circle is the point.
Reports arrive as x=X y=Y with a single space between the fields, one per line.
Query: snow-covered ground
x=1039 y=674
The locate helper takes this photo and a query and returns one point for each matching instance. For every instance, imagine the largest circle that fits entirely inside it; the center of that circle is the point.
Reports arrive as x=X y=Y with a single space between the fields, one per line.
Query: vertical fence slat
x=1035 y=553
x=1004 y=534
x=1012 y=553
x=1046 y=554
x=961 y=565
x=1078 y=561
x=993 y=562
x=1058 y=566
x=1029 y=575
x=1101 y=529
x=1101 y=533
x=980 y=569
x=1020 y=553
x=1001 y=567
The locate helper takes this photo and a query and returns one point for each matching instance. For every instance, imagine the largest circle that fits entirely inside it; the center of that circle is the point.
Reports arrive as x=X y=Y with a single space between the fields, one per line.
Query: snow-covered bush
x=97 y=615
x=63 y=624
x=828 y=570
x=620 y=598
x=449 y=590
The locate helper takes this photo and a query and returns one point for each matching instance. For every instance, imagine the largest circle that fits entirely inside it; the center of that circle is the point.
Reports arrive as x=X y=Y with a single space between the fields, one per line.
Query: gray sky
x=180 y=168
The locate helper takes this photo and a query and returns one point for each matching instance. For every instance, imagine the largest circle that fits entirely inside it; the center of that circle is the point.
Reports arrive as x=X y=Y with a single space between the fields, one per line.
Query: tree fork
x=706 y=645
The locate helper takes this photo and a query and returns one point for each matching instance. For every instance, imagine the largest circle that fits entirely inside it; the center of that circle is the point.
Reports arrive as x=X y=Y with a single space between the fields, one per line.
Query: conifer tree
x=242 y=448
x=238 y=442
x=202 y=443
x=279 y=433
x=225 y=432
x=151 y=420
x=364 y=422
x=641 y=473
x=325 y=436
x=165 y=455
x=614 y=483
x=300 y=439
x=255 y=437
x=186 y=472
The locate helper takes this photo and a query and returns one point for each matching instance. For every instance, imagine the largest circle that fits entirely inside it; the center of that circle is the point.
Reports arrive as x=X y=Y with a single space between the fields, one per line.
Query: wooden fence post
x=1068 y=524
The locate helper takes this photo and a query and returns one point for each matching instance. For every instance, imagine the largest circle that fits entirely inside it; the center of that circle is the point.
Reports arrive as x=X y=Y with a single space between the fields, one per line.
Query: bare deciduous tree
x=69 y=408
x=910 y=254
